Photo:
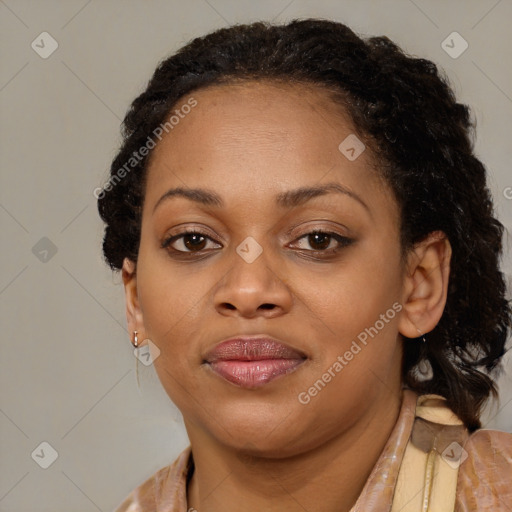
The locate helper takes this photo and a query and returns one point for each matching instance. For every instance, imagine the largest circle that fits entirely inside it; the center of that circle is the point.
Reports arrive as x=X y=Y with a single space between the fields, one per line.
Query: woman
x=309 y=251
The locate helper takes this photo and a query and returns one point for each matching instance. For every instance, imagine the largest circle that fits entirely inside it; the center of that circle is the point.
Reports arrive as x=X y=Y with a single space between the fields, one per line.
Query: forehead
x=257 y=136
x=269 y=112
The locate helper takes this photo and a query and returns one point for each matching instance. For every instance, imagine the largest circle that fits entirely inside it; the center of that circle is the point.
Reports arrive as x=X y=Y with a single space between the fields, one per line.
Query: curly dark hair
x=406 y=112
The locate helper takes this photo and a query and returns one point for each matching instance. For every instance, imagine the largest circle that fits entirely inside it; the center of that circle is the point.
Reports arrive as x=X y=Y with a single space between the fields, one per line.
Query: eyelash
x=343 y=241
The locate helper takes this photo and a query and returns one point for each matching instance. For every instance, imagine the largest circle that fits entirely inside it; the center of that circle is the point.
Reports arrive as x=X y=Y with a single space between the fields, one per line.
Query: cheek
x=170 y=294
x=171 y=303
x=353 y=295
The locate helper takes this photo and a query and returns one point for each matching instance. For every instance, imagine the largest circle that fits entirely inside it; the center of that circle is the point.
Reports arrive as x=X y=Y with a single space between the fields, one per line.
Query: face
x=319 y=271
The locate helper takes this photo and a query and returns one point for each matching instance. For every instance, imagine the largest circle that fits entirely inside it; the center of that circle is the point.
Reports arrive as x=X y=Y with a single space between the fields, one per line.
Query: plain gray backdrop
x=68 y=374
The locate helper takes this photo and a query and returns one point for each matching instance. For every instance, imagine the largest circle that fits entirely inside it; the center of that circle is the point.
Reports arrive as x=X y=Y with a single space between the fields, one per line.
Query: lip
x=253 y=361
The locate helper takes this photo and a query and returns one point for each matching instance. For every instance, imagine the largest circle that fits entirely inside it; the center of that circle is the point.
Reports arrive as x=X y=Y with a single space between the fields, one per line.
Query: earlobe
x=134 y=315
x=425 y=285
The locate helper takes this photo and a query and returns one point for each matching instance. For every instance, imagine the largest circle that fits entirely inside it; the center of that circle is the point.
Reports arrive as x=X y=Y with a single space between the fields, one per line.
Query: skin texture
x=261 y=449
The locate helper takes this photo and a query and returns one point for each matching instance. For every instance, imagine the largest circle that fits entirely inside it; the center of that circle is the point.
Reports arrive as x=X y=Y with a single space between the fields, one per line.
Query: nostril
x=267 y=306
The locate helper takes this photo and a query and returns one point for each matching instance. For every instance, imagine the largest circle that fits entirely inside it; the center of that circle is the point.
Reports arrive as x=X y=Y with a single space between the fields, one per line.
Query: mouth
x=252 y=362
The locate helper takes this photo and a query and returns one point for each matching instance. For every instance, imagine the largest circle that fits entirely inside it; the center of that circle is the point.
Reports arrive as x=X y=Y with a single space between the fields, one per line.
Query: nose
x=253 y=289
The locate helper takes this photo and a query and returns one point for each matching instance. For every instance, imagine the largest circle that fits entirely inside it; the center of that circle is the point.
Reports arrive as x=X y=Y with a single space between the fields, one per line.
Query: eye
x=188 y=241
x=323 y=241
x=196 y=241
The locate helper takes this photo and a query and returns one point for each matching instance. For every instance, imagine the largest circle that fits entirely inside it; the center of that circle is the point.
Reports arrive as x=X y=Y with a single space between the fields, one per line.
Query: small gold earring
x=135 y=339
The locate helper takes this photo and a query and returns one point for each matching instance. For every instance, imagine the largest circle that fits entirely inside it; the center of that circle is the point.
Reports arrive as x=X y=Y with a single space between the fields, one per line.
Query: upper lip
x=252 y=348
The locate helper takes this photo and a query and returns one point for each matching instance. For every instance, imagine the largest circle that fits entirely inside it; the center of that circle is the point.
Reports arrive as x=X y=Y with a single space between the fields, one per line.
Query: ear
x=425 y=285
x=134 y=315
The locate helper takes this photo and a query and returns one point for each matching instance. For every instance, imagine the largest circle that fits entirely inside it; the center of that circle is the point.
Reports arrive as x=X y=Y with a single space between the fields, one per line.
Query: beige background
x=67 y=370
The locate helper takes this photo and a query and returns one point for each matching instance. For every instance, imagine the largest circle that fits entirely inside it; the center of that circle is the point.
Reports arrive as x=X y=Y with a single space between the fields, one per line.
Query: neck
x=332 y=474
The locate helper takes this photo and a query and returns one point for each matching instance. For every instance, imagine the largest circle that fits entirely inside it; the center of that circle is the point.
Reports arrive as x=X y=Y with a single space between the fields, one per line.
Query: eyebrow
x=288 y=199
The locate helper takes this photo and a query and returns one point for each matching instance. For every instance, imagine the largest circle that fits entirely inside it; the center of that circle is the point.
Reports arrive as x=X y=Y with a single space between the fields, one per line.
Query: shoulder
x=485 y=472
x=164 y=490
x=482 y=460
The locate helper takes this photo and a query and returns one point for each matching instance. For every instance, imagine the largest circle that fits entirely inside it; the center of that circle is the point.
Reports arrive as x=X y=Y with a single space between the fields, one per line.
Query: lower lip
x=254 y=374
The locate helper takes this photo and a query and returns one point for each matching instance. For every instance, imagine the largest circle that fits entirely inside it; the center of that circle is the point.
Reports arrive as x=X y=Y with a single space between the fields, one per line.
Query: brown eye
x=319 y=241
x=194 y=241
x=322 y=242
x=190 y=241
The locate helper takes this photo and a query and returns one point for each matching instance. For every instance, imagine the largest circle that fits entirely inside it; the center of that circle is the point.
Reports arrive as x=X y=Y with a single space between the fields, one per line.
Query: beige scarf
x=427 y=480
